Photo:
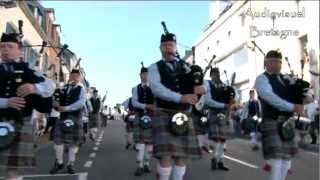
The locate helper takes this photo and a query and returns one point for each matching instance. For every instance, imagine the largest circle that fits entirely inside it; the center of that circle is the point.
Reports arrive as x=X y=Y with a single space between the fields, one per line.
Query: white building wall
x=231 y=33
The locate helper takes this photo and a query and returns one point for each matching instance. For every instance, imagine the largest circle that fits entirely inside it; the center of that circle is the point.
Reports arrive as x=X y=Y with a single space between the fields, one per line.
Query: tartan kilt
x=129 y=127
x=141 y=135
x=129 y=124
x=199 y=130
x=217 y=130
x=94 y=120
x=167 y=144
x=249 y=125
x=272 y=144
x=74 y=138
x=22 y=153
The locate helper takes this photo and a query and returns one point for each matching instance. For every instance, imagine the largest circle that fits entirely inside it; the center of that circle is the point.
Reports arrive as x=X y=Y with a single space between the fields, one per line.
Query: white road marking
x=92 y=155
x=82 y=176
x=88 y=164
x=241 y=162
x=95 y=148
x=311 y=153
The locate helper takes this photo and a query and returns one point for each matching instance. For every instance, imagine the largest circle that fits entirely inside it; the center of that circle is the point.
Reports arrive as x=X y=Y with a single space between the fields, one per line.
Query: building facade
x=38 y=26
x=238 y=30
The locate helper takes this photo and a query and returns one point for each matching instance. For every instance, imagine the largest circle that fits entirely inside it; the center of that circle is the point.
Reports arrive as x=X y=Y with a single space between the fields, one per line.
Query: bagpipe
x=43 y=45
x=62 y=49
x=299 y=88
x=41 y=104
x=229 y=92
x=200 y=104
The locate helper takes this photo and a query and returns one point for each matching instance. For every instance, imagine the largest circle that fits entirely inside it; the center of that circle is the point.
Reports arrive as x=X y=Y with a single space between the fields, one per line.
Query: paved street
x=108 y=160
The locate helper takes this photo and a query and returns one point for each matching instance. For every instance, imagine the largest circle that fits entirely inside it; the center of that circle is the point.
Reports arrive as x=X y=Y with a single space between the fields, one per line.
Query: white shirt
x=54 y=113
x=135 y=101
x=80 y=103
x=208 y=99
x=265 y=91
x=245 y=112
x=311 y=110
x=126 y=103
x=158 y=89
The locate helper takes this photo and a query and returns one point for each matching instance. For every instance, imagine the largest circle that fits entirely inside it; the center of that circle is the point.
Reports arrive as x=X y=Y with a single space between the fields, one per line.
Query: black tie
x=173 y=64
x=70 y=88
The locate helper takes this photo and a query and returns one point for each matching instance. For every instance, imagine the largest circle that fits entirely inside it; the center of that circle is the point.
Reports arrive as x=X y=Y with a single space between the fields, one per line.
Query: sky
x=113 y=37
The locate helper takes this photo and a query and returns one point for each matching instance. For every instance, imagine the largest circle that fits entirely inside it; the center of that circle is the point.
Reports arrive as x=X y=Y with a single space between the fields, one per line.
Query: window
x=240 y=57
x=10 y=28
x=243 y=20
x=31 y=8
x=30 y=55
x=45 y=63
x=40 y=20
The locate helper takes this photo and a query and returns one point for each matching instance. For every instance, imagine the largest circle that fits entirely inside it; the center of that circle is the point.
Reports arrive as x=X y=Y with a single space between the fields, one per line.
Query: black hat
x=143 y=70
x=10 y=37
x=168 y=37
x=75 y=71
x=214 y=70
x=274 y=54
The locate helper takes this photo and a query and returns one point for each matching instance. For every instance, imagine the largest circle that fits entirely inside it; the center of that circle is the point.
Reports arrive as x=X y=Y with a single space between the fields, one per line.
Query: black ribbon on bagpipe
x=229 y=92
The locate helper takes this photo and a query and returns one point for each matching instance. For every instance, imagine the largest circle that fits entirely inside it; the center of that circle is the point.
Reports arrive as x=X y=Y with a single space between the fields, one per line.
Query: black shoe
x=205 y=149
x=70 y=169
x=128 y=146
x=146 y=169
x=222 y=167
x=139 y=172
x=255 y=148
x=56 y=168
x=91 y=137
x=214 y=164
